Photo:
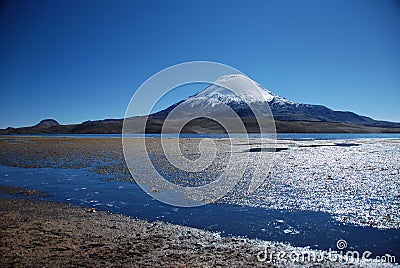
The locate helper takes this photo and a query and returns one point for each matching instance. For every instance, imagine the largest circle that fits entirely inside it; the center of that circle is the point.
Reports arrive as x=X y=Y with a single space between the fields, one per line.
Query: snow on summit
x=235 y=88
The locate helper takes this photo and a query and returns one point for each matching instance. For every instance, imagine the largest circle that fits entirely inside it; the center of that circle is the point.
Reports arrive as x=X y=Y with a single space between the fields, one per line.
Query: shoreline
x=36 y=232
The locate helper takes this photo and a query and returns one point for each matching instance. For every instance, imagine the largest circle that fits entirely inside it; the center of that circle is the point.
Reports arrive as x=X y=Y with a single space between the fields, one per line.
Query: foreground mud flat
x=35 y=233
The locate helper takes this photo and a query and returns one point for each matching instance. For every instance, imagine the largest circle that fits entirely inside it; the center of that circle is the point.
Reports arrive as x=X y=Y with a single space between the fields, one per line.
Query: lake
x=317 y=193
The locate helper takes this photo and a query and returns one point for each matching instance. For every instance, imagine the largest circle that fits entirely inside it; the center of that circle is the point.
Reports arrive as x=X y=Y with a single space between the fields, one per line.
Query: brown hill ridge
x=200 y=125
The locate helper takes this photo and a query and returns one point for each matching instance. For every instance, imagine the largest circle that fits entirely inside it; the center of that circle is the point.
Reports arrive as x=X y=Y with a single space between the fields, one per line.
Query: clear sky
x=80 y=60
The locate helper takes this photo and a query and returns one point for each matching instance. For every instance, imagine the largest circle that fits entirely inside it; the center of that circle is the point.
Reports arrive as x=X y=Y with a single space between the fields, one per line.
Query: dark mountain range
x=231 y=92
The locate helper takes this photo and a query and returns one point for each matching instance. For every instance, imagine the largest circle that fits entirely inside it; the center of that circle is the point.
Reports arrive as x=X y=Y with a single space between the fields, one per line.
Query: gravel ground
x=36 y=233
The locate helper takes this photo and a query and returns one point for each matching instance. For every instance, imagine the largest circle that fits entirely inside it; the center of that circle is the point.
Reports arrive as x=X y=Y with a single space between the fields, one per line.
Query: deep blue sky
x=80 y=60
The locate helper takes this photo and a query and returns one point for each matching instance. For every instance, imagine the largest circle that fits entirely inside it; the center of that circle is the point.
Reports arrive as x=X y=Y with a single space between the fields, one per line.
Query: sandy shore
x=37 y=233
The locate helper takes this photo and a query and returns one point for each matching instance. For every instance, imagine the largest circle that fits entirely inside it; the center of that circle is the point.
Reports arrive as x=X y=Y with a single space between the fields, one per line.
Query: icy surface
x=357 y=181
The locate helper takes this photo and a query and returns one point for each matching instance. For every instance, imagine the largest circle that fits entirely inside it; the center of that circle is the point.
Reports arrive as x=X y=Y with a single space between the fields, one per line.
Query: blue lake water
x=292 y=136
x=300 y=228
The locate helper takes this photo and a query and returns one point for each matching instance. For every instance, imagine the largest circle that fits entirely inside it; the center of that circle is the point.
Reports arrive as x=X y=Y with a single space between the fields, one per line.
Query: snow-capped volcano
x=247 y=98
